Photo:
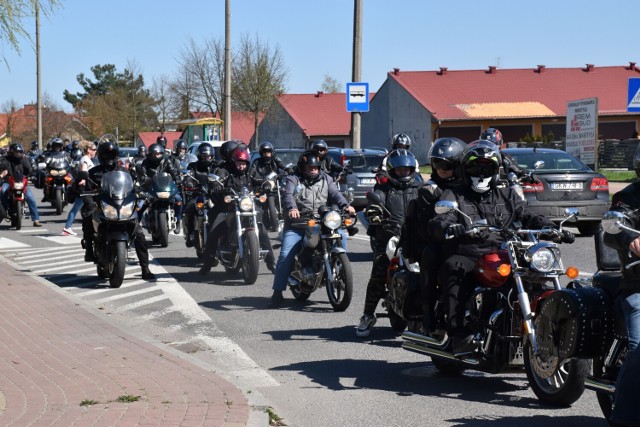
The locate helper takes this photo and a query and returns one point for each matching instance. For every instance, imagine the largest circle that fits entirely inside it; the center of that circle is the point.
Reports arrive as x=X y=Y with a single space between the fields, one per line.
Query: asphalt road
x=303 y=359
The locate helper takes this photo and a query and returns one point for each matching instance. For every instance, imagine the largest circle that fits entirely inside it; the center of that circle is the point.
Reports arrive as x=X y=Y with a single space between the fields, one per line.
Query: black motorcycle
x=160 y=215
x=56 y=182
x=272 y=209
x=203 y=193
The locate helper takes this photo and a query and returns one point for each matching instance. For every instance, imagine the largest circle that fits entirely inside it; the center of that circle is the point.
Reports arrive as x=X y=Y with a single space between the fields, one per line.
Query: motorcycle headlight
x=332 y=220
x=246 y=204
x=18 y=185
x=127 y=210
x=110 y=212
x=543 y=260
x=163 y=194
x=62 y=172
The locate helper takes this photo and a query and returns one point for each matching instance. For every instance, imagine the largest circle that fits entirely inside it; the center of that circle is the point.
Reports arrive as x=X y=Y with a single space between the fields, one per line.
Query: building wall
x=280 y=129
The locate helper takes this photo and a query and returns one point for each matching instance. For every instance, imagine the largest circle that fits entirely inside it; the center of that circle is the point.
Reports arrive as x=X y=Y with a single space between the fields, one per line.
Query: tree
x=331 y=85
x=12 y=16
x=165 y=105
x=259 y=74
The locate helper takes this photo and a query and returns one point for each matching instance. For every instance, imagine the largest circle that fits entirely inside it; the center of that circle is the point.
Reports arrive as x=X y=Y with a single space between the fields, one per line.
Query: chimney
x=632 y=66
x=396 y=71
x=443 y=71
x=492 y=69
x=589 y=68
x=319 y=94
x=540 y=69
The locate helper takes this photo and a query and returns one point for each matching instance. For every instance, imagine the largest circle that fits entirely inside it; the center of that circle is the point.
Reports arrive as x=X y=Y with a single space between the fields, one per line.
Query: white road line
x=88 y=292
x=39 y=262
x=128 y=294
x=40 y=254
x=8 y=244
x=32 y=230
x=77 y=278
x=62 y=240
x=142 y=303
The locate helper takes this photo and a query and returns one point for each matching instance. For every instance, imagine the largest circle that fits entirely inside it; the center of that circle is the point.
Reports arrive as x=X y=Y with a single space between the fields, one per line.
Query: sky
x=315 y=38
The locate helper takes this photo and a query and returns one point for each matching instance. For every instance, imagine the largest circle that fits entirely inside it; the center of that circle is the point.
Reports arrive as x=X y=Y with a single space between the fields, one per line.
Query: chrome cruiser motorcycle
x=511 y=286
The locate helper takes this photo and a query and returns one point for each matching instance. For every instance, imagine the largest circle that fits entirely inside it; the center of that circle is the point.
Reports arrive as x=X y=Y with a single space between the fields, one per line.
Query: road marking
x=78 y=278
x=32 y=230
x=128 y=294
x=143 y=302
x=62 y=240
x=8 y=243
x=40 y=264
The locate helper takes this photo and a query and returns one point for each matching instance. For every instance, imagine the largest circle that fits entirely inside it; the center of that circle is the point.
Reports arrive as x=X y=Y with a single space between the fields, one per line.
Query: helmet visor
x=442 y=164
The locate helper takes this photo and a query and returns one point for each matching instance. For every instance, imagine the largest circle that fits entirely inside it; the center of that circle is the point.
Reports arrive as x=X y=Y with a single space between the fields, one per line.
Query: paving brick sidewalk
x=56 y=354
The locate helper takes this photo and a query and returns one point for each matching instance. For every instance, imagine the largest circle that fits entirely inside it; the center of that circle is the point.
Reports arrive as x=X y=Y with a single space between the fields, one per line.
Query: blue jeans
x=77 y=205
x=626 y=409
x=178 y=207
x=28 y=195
x=291 y=242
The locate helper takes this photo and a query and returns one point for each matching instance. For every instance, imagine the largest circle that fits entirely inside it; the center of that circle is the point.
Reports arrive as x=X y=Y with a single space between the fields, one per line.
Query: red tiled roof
x=533 y=92
x=149 y=138
x=320 y=113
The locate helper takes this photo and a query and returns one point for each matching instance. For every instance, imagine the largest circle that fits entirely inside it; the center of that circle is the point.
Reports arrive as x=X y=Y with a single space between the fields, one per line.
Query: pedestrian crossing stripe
x=63 y=240
x=9 y=244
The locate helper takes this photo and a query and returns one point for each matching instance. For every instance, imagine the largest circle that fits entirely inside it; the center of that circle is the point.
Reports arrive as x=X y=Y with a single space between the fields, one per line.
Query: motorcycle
x=114 y=221
x=57 y=180
x=322 y=261
x=272 y=212
x=16 y=205
x=511 y=286
x=203 y=202
x=585 y=325
x=160 y=216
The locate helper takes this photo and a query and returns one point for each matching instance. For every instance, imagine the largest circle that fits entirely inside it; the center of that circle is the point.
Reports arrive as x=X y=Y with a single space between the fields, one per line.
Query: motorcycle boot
x=147 y=274
x=209 y=262
x=178 y=227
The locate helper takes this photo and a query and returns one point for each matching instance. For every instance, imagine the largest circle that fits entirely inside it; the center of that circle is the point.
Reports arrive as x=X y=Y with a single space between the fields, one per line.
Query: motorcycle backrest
x=606 y=257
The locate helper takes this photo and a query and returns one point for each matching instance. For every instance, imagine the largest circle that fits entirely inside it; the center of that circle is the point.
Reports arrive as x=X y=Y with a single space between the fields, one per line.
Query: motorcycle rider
x=327 y=163
x=399 y=140
x=236 y=177
x=16 y=165
x=267 y=162
x=445 y=156
x=108 y=157
x=142 y=154
x=626 y=411
x=508 y=164
x=179 y=153
x=85 y=163
x=57 y=154
x=479 y=198
x=318 y=189
x=155 y=162
x=35 y=150
x=400 y=188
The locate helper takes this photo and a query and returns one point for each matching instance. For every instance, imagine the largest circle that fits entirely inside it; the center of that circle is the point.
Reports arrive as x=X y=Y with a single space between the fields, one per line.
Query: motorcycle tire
x=119 y=264
x=447 y=367
x=251 y=260
x=398 y=324
x=273 y=214
x=199 y=244
x=605 y=400
x=299 y=294
x=58 y=201
x=16 y=221
x=163 y=230
x=340 y=290
x=563 y=386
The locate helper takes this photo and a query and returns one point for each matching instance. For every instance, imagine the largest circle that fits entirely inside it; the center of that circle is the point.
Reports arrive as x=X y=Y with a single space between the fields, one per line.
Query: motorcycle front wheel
x=558 y=382
x=199 y=244
x=119 y=264
x=340 y=290
x=16 y=221
x=163 y=230
x=251 y=260
x=58 y=201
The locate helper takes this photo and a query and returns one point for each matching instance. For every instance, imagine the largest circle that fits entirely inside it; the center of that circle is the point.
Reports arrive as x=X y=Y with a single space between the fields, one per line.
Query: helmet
x=240 y=154
x=108 y=154
x=15 y=150
x=181 y=144
x=34 y=144
x=205 y=154
x=480 y=165
x=309 y=158
x=57 y=143
x=320 y=148
x=636 y=161
x=156 y=154
x=75 y=144
x=142 y=151
x=75 y=154
x=446 y=153
x=228 y=147
x=493 y=135
x=401 y=158
x=400 y=140
x=162 y=140
x=48 y=146
x=266 y=147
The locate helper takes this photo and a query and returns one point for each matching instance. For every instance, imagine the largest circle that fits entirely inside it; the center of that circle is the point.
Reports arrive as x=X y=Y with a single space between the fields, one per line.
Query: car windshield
x=362 y=163
x=553 y=162
x=289 y=157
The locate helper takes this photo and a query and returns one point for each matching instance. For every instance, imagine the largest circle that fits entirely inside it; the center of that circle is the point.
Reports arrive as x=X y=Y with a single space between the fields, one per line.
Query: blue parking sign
x=357 y=97
x=633 y=95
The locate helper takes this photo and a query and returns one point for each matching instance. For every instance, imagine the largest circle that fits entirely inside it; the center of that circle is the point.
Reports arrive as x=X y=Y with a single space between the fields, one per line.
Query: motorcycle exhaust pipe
x=414 y=338
x=598 y=384
x=435 y=352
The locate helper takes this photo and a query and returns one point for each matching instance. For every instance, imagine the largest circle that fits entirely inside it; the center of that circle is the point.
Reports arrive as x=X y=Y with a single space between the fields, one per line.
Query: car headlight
x=543 y=260
x=332 y=220
x=110 y=212
x=127 y=210
x=246 y=204
x=163 y=194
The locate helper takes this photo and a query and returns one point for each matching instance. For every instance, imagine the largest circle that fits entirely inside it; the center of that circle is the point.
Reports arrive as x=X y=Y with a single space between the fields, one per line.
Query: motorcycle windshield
x=162 y=181
x=188 y=158
x=58 y=162
x=117 y=184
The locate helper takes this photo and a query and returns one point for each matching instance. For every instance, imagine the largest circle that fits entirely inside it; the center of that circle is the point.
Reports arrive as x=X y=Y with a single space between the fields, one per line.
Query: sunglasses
x=442 y=164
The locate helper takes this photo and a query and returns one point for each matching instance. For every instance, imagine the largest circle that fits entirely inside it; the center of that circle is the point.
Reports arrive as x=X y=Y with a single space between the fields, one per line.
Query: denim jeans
x=28 y=195
x=626 y=409
x=77 y=205
x=291 y=242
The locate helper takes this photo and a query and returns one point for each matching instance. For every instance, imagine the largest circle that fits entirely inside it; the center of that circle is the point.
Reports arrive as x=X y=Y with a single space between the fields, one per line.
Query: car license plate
x=575 y=185
x=368 y=181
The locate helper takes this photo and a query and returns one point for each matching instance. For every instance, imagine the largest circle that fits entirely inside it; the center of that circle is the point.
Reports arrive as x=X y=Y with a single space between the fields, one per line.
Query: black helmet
x=142 y=150
x=75 y=144
x=320 y=148
x=156 y=154
x=401 y=158
x=480 y=165
x=162 y=140
x=266 y=147
x=57 y=143
x=180 y=144
x=400 y=140
x=15 y=150
x=228 y=147
x=76 y=154
x=108 y=154
x=34 y=144
x=205 y=153
x=48 y=146
x=493 y=135
x=309 y=158
x=446 y=153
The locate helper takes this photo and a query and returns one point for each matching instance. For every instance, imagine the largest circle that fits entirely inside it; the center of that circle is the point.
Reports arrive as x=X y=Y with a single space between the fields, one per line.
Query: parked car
x=193 y=148
x=363 y=164
x=287 y=155
x=564 y=182
x=125 y=154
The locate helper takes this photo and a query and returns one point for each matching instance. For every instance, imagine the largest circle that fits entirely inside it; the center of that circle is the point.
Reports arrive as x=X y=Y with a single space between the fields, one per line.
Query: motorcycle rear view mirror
x=539 y=164
x=613 y=222
x=571 y=215
x=296 y=191
x=445 y=206
x=213 y=177
x=374 y=198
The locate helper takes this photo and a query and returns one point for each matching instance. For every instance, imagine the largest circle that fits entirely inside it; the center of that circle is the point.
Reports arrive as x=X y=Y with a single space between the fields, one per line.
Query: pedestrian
x=86 y=163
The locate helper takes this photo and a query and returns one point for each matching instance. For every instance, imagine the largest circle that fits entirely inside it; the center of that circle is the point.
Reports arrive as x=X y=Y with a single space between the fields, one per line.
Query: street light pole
x=357 y=67
x=38 y=78
x=227 y=69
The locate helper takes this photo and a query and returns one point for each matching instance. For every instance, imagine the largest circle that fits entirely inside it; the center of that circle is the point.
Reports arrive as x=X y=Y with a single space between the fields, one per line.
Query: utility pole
x=38 y=78
x=227 y=69
x=356 y=75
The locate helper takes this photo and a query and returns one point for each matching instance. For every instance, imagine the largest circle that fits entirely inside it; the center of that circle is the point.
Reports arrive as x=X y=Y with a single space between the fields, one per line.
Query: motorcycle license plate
x=19 y=194
x=575 y=185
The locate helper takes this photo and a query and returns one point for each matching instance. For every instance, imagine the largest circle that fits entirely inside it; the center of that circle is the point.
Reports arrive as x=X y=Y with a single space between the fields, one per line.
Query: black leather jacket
x=396 y=200
x=16 y=167
x=331 y=167
x=264 y=166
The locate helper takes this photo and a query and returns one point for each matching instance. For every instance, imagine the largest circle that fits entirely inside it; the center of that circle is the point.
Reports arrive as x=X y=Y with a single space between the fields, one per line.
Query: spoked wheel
x=340 y=290
x=555 y=381
x=251 y=260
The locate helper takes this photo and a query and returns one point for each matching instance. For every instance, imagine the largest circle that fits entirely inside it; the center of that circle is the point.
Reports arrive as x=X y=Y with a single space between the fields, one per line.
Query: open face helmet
x=264 y=148
x=142 y=151
x=480 y=165
x=15 y=150
x=400 y=140
x=238 y=156
x=57 y=144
